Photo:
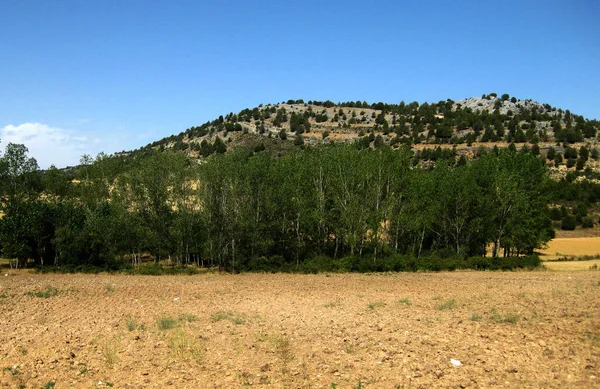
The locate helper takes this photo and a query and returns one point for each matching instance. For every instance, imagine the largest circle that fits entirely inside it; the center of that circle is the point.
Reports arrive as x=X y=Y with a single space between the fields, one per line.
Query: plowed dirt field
x=462 y=329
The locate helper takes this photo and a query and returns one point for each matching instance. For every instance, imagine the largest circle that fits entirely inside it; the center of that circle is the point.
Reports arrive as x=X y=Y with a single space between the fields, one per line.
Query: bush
x=569 y=223
x=587 y=222
x=555 y=214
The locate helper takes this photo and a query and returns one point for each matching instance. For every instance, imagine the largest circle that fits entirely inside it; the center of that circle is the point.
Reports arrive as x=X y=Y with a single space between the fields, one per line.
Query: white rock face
x=483 y=104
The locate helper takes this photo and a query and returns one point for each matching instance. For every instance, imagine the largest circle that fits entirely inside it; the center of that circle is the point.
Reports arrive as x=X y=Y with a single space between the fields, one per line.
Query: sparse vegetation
x=306 y=322
x=110 y=350
x=14 y=370
x=184 y=346
x=186 y=317
x=499 y=317
x=234 y=317
x=476 y=317
x=166 y=323
x=283 y=350
x=447 y=305
x=46 y=293
x=131 y=324
x=376 y=304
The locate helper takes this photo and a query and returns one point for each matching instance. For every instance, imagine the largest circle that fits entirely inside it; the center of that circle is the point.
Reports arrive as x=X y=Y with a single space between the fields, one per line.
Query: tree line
x=336 y=207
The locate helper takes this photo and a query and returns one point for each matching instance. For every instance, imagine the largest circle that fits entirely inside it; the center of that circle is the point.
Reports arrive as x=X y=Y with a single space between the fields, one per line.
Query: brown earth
x=508 y=329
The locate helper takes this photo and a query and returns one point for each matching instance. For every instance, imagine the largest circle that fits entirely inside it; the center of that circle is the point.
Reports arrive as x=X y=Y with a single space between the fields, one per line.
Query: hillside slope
x=466 y=125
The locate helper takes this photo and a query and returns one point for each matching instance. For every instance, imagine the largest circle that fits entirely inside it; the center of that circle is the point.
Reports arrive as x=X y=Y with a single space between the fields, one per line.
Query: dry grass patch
x=184 y=346
x=572 y=265
x=110 y=350
x=283 y=351
x=571 y=247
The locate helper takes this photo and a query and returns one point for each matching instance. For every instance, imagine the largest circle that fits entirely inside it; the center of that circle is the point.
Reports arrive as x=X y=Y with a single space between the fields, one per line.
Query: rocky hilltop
x=464 y=126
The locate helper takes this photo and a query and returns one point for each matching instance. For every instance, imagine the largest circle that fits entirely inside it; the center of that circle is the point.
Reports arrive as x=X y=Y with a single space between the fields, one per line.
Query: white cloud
x=48 y=145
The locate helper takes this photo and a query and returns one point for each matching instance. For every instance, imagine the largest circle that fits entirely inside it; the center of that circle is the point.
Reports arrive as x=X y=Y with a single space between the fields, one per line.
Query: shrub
x=569 y=223
x=587 y=222
x=555 y=214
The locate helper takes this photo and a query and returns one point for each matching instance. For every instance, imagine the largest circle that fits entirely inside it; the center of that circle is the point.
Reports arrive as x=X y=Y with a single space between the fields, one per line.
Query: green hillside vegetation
x=260 y=191
x=467 y=124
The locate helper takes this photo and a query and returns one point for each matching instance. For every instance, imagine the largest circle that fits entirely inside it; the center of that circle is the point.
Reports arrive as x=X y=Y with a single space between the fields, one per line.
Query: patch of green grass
x=83 y=370
x=592 y=337
x=131 y=324
x=475 y=317
x=185 y=317
x=446 y=305
x=376 y=304
x=499 y=317
x=47 y=293
x=165 y=323
x=235 y=318
x=48 y=385
x=405 y=301
x=14 y=370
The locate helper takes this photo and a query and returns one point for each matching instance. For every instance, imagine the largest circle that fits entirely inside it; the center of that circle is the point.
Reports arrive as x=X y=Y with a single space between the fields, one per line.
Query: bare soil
x=507 y=329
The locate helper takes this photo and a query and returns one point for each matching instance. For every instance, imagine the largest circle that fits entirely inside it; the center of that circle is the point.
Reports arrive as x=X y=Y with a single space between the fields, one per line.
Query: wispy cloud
x=48 y=145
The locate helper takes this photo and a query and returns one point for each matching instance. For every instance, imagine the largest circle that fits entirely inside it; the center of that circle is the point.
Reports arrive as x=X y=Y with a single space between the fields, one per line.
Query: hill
x=466 y=125
x=404 y=187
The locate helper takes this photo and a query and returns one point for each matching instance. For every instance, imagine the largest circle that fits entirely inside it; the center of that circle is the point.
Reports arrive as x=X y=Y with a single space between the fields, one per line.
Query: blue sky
x=88 y=76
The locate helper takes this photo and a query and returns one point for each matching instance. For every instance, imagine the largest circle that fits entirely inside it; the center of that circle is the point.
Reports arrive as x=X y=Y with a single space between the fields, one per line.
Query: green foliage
x=569 y=223
x=46 y=293
x=376 y=304
x=131 y=324
x=234 y=317
x=447 y=305
x=475 y=317
x=166 y=323
x=555 y=213
x=499 y=317
x=318 y=209
x=587 y=222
